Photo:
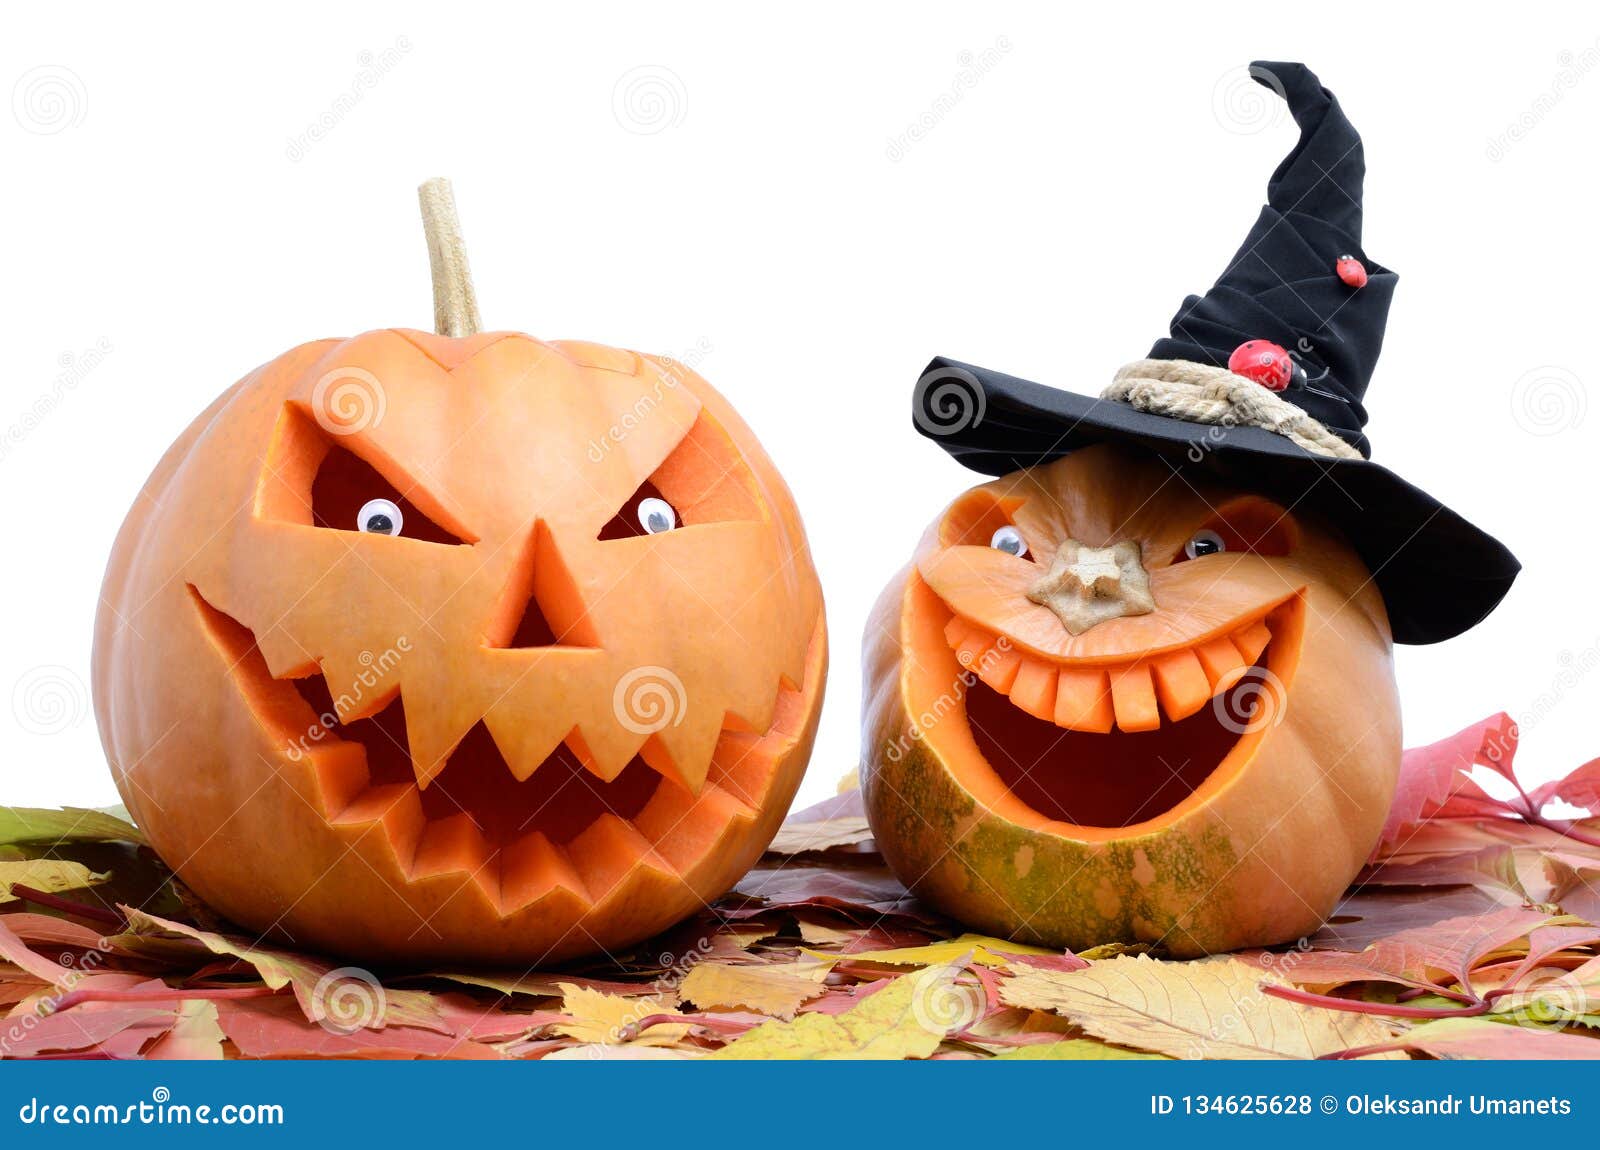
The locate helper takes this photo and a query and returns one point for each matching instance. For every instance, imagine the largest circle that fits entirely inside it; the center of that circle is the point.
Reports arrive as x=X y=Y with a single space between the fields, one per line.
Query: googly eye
x=1009 y=540
x=1204 y=543
x=656 y=515
x=379 y=517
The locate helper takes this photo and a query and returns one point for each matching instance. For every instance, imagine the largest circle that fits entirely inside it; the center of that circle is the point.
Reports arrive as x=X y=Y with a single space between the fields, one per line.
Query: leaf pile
x=1472 y=933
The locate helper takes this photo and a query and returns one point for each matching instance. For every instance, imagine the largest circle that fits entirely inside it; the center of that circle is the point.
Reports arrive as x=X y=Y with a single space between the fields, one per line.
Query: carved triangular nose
x=1086 y=586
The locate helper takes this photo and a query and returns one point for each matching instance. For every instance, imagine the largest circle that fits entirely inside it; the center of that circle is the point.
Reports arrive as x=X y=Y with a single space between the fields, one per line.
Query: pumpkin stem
x=455 y=306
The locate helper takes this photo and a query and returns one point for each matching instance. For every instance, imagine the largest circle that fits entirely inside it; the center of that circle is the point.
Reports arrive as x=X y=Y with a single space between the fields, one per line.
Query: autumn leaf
x=908 y=1018
x=983 y=949
x=320 y=989
x=835 y=822
x=773 y=990
x=195 y=1035
x=47 y=875
x=1074 y=1049
x=69 y=824
x=1435 y=775
x=1211 y=1008
x=610 y=1019
x=1581 y=788
x=1483 y=1038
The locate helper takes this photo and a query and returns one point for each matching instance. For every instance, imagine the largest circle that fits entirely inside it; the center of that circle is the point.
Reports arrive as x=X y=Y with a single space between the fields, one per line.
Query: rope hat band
x=1202 y=393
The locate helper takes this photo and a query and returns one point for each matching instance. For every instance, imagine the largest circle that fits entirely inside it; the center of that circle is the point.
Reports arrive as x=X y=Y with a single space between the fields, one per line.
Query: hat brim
x=1439 y=574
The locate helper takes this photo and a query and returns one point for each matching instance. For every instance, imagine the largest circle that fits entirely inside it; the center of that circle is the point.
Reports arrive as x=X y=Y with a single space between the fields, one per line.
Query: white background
x=160 y=198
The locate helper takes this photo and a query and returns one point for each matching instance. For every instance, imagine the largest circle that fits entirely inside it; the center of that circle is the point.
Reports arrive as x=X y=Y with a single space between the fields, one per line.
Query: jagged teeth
x=1132 y=695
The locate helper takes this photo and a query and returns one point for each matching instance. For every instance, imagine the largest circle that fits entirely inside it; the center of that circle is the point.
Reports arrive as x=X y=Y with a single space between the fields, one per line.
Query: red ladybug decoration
x=1264 y=362
x=1351 y=271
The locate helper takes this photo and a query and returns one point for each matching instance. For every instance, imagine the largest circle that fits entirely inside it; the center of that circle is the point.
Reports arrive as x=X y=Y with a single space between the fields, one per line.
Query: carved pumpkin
x=466 y=647
x=1194 y=746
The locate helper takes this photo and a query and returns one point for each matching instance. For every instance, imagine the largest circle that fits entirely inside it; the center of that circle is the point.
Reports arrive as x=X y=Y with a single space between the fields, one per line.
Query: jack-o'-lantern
x=1141 y=689
x=461 y=646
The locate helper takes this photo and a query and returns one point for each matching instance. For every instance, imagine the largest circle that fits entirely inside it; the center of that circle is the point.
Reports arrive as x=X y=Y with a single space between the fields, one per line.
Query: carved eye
x=1009 y=540
x=1204 y=543
x=380 y=517
x=656 y=515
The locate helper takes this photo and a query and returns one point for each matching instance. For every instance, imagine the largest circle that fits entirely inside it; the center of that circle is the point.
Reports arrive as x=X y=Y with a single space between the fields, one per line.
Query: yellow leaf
x=818 y=935
x=47 y=875
x=197 y=1034
x=1076 y=1049
x=773 y=990
x=1212 y=1008
x=851 y=781
x=906 y=1019
x=982 y=948
x=612 y=1019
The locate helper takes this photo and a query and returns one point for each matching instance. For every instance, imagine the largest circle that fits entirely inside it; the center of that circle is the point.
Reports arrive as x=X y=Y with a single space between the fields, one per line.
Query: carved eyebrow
x=319 y=480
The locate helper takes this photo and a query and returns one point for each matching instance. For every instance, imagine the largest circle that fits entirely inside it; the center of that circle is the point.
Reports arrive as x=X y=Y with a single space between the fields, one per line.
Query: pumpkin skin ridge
x=367 y=919
x=1264 y=861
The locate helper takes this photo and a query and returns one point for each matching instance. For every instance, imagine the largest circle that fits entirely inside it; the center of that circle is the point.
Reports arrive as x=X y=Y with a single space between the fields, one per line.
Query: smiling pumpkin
x=1106 y=703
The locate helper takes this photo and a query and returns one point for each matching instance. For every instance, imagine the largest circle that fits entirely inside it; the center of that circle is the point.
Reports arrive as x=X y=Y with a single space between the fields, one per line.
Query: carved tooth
x=450 y=844
x=999 y=669
x=956 y=630
x=1251 y=640
x=531 y=868
x=1181 y=683
x=974 y=646
x=1134 y=697
x=1034 y=690
x=1221 y=659
x=686 y=828
x=608 y=850
x=1083 y=700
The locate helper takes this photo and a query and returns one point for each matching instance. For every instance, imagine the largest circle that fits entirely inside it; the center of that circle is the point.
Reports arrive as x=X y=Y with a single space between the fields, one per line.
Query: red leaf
x=1431 y=776
x=1581 y=788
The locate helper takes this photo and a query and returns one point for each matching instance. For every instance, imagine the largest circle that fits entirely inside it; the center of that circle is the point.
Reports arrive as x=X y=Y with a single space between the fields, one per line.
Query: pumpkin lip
x=1098 y=785
x=516 y=840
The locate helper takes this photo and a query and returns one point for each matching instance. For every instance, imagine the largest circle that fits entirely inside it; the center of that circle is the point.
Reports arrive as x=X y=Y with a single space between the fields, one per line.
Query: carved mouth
x=561 y=827
x=1115 y=744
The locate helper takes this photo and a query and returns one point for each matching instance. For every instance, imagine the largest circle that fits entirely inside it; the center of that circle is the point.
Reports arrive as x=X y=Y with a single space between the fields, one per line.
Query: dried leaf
x=610 y=1019
x=48 y=875
x=1581 y=788
x=983 y=949
x=346 y=995
x=1074 y=1049
x=1432 y=776
x=69 y=824
x=1484 y=1038
x=902 y=1020
x=1211 y=1008
x=772 y=990
x=195 y=1036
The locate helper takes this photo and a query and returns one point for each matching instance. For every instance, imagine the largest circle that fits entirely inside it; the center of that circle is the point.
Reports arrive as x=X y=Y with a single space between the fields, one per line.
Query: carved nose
x=1086 y=586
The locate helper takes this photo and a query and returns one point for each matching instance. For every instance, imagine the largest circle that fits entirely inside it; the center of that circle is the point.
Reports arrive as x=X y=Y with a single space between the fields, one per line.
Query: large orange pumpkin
x=1203 y=762
x=461 y=647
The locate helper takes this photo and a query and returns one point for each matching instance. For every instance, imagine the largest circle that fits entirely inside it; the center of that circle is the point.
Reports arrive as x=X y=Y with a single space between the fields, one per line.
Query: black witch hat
x=1261 y=381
